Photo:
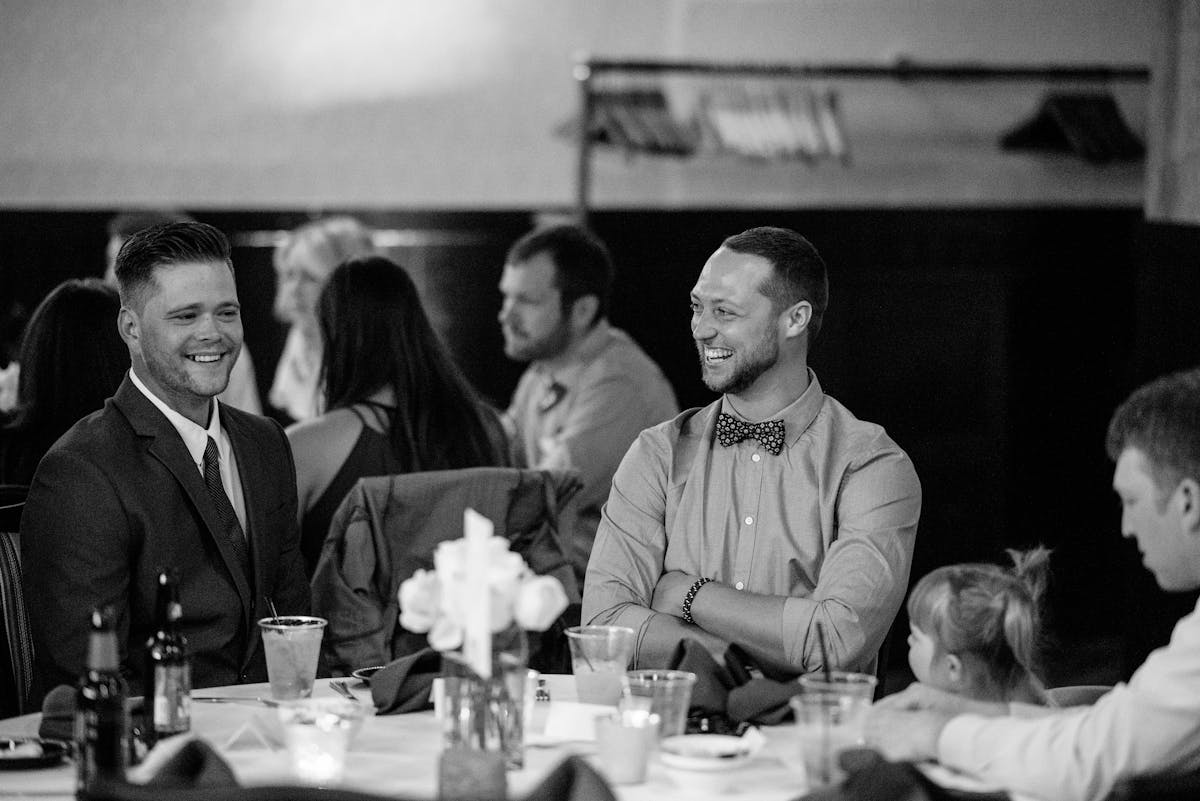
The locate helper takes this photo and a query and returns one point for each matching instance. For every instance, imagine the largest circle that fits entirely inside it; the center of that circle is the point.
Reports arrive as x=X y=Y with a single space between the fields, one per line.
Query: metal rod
x=583 y=169
x=898 y=70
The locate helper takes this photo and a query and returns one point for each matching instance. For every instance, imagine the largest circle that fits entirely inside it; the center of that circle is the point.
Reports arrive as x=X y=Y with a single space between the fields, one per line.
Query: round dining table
x=397 y=755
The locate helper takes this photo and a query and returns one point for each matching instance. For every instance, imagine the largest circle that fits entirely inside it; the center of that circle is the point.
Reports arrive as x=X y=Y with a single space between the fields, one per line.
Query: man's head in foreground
x=1154 y=437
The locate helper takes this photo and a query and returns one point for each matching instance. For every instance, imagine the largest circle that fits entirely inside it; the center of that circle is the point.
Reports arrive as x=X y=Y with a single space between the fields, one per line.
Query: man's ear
x=1188 y=497
x=583 y=310
x=128 y=327
x=795 y=318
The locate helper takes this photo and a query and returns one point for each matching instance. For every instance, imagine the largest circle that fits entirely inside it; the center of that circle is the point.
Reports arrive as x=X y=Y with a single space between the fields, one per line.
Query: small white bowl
x=707 y=763
x=705 y=751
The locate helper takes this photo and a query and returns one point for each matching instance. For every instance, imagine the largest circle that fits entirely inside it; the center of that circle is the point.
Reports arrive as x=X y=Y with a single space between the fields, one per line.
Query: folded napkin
x=870 y=777
x=181 y=762
x=573 y=780
x=58 y=713
x=404 y=684
x=716 y=692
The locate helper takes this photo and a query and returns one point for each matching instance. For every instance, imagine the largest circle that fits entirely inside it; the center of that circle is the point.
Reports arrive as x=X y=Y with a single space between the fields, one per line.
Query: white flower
x=419 y=599
x=446 y=635
x=436 y=602
x=539 y=602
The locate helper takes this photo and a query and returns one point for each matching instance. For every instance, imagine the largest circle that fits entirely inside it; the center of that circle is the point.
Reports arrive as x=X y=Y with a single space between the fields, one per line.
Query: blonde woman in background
x=303 y=262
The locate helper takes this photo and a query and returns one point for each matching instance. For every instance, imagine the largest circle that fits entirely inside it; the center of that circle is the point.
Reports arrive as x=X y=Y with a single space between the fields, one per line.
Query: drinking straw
x=824 y=652
x=826 y=734
x=275 y=614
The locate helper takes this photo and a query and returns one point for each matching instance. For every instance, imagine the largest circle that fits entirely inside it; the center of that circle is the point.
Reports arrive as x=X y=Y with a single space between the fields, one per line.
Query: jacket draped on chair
x=389 y=526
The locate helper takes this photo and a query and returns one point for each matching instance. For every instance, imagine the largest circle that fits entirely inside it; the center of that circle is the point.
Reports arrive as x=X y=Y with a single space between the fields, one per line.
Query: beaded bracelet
x=691 y=596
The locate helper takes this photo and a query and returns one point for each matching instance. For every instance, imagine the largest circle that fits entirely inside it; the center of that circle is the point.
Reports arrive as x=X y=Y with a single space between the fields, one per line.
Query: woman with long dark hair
x=396 y=401
x=72 y=360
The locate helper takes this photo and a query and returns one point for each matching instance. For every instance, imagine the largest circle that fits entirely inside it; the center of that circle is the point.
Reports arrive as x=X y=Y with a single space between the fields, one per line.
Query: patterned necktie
x=225 y=514
x=731 y=431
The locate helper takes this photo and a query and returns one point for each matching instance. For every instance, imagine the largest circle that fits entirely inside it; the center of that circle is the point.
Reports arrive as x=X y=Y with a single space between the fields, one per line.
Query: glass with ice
x=319 y=732
x=599 y=656
x=830 y=717
x=292 y=645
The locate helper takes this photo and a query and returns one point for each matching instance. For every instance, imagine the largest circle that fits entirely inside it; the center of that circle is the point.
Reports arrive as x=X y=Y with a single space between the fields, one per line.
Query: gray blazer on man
x=117 y=498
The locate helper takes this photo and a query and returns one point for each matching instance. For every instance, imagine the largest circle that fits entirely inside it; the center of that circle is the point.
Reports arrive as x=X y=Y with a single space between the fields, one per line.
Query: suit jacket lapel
x=167 y=446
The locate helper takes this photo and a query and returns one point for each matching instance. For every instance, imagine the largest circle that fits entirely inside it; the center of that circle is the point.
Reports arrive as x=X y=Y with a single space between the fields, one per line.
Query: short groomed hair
x=1162 y=420
x=582 y=264
x=160 y=245
x=799 y=273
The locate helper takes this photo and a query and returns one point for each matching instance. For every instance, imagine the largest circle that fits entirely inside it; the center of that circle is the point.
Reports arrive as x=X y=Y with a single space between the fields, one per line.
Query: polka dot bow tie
x=731 y=431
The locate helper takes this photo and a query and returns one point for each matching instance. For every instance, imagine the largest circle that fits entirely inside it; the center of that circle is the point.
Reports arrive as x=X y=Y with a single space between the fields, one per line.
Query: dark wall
x=992 y=344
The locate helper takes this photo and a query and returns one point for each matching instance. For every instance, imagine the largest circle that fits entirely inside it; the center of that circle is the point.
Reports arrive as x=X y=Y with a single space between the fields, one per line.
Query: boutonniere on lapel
x=553 y=394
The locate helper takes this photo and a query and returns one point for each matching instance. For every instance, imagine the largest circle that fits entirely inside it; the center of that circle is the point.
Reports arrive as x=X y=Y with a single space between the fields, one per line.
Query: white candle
x=477 y=632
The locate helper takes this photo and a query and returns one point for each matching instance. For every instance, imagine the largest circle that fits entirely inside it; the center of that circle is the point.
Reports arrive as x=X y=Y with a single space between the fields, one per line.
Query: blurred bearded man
x=589 y=389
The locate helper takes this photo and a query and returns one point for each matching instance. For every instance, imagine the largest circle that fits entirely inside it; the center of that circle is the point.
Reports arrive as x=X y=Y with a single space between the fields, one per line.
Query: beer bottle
x=168 y=673
x=101 y=719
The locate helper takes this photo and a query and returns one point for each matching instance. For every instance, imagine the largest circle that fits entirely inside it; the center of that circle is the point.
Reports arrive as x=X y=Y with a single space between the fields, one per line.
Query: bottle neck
x=102 y=652
x=167 y=609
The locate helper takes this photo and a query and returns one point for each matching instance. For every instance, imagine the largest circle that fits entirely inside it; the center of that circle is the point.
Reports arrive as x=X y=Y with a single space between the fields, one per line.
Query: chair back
x=12 y=503
x=16 y=661
x=389 y=526
x=1076 y=694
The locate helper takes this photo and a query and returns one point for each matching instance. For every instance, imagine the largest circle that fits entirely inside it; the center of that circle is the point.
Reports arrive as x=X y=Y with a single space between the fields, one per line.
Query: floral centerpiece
x=475 y=607
x=437 y=602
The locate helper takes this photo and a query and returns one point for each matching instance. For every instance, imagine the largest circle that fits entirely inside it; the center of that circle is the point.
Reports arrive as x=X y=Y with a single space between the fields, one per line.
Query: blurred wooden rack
x=588 y=69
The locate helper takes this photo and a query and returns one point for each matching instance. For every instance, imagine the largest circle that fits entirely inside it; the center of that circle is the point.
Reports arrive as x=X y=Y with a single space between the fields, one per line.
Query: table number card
x=477 y=631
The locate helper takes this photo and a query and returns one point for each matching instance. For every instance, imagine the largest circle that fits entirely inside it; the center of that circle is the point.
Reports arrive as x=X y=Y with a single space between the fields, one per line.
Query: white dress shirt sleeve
x=1150 y=725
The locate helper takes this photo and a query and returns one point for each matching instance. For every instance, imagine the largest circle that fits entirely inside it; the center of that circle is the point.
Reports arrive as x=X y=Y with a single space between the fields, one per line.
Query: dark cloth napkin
x=870 y=777
x=194 y=763
x=759 y=700
x=405 y=683
x=58 y=713
x=573 y=780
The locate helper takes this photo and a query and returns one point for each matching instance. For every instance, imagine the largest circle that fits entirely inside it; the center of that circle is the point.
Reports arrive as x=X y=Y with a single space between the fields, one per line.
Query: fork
x=343 y=689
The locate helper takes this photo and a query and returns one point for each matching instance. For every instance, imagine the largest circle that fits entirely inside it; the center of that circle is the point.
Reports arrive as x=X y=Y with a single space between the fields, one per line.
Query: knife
x=233 y=699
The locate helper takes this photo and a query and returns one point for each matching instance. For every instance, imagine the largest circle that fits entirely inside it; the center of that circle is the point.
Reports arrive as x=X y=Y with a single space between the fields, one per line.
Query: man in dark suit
x=166 y=476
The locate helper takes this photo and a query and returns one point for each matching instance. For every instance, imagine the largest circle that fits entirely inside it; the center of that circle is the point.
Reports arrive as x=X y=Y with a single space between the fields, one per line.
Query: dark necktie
x=551 y=395
x=731 y=431
x=225 y=514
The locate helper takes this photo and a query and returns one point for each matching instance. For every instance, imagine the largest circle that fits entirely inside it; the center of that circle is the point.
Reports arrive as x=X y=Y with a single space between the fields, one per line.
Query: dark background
x=993 y=344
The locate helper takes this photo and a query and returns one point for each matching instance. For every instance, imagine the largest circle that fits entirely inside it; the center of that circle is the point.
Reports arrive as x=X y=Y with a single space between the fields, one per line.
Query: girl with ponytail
x=976 y=628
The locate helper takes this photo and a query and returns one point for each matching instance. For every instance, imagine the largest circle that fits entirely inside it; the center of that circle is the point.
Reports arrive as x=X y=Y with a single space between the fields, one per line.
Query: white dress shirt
x=1150 y=725
x=196 y=439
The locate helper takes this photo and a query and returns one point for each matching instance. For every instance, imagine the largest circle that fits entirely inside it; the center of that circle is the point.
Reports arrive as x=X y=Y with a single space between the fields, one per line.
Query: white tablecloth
x=397 y=755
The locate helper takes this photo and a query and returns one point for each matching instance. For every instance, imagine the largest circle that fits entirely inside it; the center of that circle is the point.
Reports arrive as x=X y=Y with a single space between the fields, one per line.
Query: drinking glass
x=666 y=693
x=830 y=716
x=319 y=732
x=292 y=645
x=599 y=656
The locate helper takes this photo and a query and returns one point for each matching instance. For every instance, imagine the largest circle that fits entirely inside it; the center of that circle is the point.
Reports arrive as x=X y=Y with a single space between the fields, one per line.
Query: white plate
x=706 y=752
x=364 y=674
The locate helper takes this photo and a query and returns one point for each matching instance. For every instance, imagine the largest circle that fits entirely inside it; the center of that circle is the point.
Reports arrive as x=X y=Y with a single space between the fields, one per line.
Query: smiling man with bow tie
x=769 y=512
